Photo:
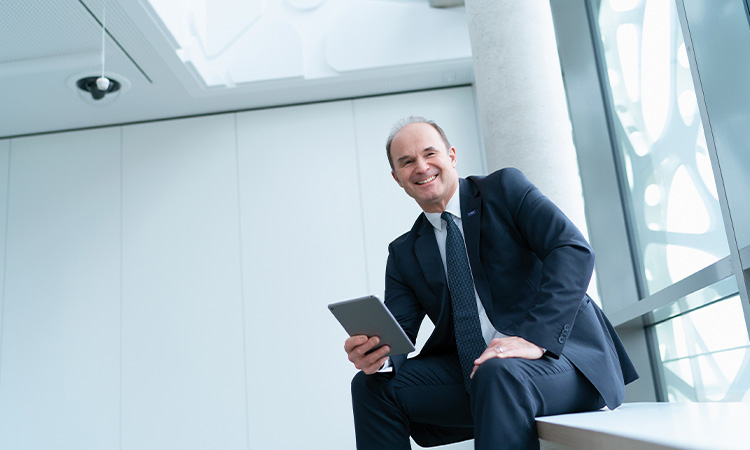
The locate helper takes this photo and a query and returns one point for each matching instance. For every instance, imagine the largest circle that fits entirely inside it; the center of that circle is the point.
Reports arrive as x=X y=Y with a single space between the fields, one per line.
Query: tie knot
x=447 y=217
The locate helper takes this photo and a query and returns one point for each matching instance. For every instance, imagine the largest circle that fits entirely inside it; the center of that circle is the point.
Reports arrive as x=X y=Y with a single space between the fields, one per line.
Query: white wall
x=166 y=283
x=182 y=337
x=60 y=368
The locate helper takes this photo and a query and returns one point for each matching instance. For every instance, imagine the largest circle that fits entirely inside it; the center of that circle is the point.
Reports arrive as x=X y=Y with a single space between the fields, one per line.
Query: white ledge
x=635 y=426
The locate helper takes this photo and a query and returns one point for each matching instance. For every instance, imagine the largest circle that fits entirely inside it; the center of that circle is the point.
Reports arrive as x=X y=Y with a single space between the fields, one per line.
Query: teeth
x=427 y=180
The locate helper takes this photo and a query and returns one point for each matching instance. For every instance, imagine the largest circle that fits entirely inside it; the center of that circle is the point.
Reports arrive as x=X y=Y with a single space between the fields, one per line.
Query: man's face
x=424 y=167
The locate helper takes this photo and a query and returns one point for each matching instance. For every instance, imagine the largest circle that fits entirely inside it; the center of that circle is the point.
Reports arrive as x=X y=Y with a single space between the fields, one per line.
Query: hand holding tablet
x=368 y=316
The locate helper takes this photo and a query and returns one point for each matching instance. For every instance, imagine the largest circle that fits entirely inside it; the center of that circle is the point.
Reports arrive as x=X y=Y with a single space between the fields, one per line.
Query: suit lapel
x=471 y=215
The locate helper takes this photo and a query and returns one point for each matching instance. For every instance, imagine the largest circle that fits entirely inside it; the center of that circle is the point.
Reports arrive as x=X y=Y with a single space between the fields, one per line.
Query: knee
x=501 y=385
x=359 y=384
x=497 y=372
x=366 y=386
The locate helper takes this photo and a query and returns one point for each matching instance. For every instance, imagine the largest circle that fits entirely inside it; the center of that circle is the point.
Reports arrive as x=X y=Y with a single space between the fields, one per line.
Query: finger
x=491 y=352
x=369 y=345
x=365 y=346
x=370 y=366
x=357 y=353
x=497 y=341
x=524 y=351
x=373 y=368
x=363 y=361
x=373 y=357
x=354 y=341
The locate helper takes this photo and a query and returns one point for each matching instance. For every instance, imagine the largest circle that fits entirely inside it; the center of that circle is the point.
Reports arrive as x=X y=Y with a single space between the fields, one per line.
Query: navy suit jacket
x=531 y=268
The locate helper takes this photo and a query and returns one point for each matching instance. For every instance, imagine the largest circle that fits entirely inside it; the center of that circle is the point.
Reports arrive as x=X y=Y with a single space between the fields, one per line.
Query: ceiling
x=333 y=49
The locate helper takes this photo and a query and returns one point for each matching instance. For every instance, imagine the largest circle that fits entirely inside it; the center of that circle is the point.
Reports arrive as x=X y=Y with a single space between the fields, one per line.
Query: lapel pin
x=471 y=213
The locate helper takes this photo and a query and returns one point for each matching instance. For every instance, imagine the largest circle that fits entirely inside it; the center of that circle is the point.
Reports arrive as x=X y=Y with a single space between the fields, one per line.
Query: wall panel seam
x=5 y=259
x=242 y=278
x=122 y=332
x=361 y=198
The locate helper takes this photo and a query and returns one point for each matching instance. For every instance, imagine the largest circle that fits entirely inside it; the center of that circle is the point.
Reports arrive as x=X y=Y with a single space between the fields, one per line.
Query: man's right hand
x=357 y=347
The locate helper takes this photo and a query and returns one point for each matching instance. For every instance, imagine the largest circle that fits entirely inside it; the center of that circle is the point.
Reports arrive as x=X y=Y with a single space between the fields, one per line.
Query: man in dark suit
x=530 y=341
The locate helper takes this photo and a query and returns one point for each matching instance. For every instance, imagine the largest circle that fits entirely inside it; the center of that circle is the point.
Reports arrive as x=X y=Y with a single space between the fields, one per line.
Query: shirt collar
x=453 y=207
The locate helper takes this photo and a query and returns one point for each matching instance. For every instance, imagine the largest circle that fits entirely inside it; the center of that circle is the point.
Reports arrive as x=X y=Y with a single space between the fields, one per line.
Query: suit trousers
x=427 y=400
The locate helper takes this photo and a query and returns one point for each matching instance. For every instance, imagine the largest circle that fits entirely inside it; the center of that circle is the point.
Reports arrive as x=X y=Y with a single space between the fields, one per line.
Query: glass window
x=718 y=291
x=721 y=43
x=674 y=209
x=705 y=353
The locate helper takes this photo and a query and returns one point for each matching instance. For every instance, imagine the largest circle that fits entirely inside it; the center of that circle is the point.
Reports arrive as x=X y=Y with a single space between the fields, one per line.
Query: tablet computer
x=369 y=316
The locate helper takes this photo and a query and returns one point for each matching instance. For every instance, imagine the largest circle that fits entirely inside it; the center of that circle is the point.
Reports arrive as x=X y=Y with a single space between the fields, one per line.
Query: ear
x=452 y=156
x=393 y=174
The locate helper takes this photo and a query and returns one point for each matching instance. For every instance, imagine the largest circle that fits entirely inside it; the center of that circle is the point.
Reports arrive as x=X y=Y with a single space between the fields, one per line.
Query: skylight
x=231 y=42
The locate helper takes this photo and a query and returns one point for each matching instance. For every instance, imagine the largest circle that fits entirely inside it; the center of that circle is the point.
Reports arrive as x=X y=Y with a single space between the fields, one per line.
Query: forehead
x=416 y=137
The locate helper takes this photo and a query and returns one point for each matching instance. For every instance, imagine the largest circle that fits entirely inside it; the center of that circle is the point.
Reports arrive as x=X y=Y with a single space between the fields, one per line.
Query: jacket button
x=566 y=327
x=561 y=340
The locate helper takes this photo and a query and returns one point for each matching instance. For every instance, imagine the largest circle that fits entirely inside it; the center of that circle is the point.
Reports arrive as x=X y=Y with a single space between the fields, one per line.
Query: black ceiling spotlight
x=97 y=89
x=100 y=86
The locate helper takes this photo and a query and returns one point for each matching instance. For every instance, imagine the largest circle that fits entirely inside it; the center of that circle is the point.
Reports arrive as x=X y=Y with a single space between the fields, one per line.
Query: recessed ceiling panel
x=228 y=43
x=382 y=34
x=269 y=53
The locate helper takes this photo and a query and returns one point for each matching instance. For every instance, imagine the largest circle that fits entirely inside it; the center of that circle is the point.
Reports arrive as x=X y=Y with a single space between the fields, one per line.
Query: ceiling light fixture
x=94 y=86
x=102 y=83
x=99 y=86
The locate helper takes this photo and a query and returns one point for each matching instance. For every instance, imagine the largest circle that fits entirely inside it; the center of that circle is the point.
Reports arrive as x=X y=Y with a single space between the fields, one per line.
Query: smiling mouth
x=427 y=180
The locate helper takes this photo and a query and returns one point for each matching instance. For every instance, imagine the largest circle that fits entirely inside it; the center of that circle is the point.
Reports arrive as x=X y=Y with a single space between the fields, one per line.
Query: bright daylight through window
x=675 y=216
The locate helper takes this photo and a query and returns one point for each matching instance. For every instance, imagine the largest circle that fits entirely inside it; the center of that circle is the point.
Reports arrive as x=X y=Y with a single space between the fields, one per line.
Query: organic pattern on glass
x=675 y=213
x=675 y=210
x=701 y=363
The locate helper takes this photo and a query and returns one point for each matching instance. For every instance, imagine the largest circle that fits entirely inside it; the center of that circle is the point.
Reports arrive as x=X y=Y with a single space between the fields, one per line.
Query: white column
x=521 y=98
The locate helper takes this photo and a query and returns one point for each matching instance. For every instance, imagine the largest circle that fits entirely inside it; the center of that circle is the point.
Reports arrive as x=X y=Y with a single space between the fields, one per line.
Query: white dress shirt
x=440 y=227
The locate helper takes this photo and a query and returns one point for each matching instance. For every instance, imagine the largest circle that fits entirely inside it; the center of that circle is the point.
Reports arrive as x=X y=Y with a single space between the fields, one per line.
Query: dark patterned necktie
x=469 y=338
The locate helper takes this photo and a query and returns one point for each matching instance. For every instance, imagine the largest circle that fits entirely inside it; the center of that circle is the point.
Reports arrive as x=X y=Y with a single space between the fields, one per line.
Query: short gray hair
x=408 y=121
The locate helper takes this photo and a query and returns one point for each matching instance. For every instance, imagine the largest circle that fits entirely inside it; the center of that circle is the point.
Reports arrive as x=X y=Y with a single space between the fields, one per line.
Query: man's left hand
x=509 y=347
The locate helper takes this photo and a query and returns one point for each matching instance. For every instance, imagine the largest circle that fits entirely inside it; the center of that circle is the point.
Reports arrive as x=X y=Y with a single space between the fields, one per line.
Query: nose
x=422 y=165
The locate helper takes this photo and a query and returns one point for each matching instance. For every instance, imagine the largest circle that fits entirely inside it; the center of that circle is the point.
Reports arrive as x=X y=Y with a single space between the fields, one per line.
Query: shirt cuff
x=387 y=367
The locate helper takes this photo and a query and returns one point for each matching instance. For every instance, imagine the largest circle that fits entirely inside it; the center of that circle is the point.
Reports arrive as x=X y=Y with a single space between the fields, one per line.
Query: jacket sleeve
x=403 y=304
x=567 y=261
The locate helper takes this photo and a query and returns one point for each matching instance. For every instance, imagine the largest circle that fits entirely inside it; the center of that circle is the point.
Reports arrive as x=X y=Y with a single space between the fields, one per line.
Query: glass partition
x=692 y=269
x=703 y=297
x=672 y=199
x=704 y=353
x=721 y=43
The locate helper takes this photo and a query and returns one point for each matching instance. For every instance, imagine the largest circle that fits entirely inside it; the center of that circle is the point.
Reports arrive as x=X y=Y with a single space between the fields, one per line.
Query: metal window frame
x=606 y=211
x=622 y=285
x=736 y=254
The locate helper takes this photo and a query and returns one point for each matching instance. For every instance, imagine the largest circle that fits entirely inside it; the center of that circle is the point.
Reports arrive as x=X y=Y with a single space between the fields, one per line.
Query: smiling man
x=502 y=274
x=424 y=166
